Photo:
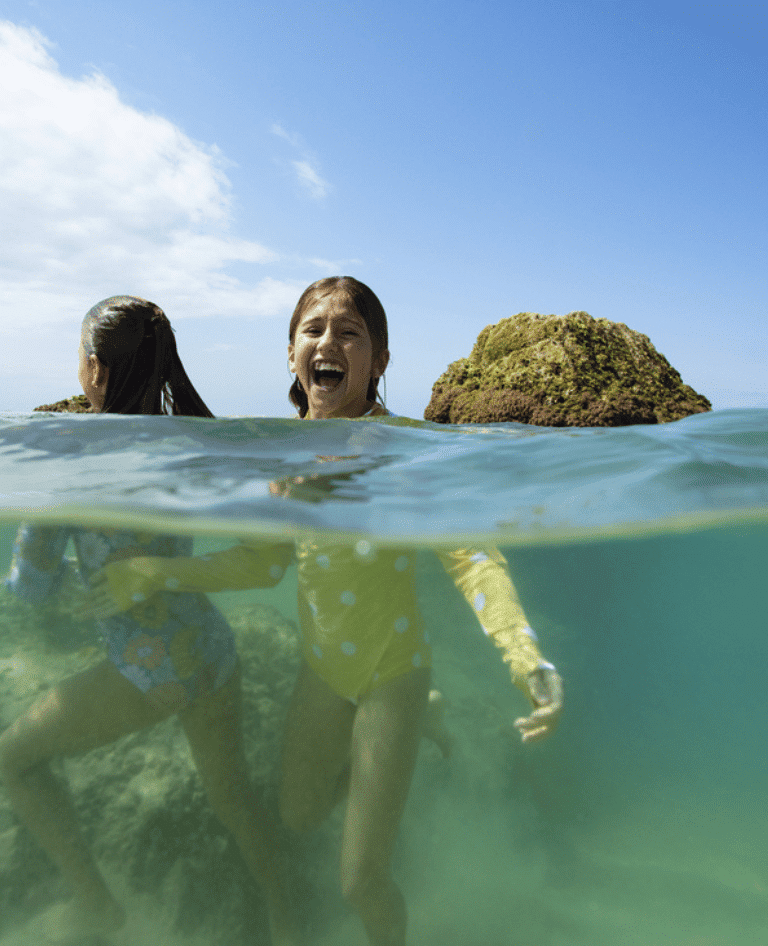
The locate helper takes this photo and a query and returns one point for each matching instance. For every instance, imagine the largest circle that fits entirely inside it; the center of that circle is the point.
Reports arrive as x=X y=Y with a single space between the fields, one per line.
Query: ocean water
x=640 y=556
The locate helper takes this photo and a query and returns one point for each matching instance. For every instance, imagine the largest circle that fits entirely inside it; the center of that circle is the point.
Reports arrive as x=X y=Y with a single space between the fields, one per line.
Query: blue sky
x=468 y=160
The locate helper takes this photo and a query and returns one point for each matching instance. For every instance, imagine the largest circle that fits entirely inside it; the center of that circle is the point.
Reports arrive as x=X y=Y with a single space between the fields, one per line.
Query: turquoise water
x=640 y=557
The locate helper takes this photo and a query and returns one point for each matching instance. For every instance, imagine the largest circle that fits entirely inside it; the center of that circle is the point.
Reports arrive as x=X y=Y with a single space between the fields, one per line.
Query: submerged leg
x=214 y=730
x=315 y=759
x=385 y=740
x=90 y=709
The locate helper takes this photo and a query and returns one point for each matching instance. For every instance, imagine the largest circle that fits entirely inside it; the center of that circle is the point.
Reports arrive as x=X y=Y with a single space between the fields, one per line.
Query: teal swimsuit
x=175 y=647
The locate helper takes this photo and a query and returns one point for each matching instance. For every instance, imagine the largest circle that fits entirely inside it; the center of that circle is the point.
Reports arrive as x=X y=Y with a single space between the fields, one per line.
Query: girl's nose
x=328 y=338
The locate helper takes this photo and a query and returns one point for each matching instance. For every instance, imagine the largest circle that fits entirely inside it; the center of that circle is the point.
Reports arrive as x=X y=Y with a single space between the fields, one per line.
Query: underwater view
x=632 y=560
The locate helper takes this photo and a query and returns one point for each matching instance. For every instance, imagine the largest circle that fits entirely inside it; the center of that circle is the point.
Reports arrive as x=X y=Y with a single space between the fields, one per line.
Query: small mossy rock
x=562 y=371
x=77 y=404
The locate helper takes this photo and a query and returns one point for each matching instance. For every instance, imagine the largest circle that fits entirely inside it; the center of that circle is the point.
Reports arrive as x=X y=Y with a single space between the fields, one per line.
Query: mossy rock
x=77 y=404
x=562 y=371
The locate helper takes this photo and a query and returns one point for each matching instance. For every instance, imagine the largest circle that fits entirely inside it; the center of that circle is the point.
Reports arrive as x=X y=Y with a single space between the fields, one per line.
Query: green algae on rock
x=562 y=371
x=139 y=800
x=77 y=404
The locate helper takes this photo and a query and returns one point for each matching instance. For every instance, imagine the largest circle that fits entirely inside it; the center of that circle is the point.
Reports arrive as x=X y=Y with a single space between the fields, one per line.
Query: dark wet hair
x=134 y=339
x=365 y=302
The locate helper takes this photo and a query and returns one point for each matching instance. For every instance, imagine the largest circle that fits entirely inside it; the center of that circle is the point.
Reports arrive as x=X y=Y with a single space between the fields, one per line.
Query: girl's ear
x=381 y=363
x=290 y=358
x=99 y=373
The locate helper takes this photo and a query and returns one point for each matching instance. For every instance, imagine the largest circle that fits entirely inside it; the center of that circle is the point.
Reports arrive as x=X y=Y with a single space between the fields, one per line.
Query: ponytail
x=135 y=340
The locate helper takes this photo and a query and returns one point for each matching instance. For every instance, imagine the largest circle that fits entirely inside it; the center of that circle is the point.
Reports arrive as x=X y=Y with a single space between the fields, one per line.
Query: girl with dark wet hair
x=173 y=653
x=362 y=698
x=134 y=341
x=362 y=300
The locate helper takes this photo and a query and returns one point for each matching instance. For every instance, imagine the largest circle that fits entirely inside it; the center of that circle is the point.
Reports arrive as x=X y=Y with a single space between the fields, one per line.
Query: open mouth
x=327 y=377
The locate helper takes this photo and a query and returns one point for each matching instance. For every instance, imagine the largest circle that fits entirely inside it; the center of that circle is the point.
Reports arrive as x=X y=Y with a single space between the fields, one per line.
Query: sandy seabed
x=489 y=855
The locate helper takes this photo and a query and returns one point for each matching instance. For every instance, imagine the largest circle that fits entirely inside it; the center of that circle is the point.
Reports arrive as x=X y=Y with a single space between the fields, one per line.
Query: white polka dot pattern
x=401 y=625
x=348 y=648
x=348 y=598
x=172 y=584
x=479 y=601
x=275 y=571
x=401 y=563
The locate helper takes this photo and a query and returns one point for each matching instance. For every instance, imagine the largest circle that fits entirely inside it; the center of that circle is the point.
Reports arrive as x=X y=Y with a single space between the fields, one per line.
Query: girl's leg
x=90 y=709
x=315 y=760
x=385 y=741
x=214 y=731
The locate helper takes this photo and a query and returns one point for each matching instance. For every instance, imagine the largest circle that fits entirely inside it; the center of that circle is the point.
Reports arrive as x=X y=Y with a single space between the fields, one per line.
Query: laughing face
x=332 y=355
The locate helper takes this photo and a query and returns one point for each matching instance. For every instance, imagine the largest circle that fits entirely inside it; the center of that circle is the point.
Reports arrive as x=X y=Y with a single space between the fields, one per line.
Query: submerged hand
x=97 y=602
x=546 y=689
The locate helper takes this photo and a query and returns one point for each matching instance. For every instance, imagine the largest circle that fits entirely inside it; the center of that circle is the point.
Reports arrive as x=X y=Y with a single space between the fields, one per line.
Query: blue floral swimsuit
x=174 y=646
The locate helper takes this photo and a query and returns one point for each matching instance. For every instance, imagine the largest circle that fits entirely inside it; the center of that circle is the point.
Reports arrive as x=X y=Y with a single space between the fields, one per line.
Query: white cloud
x=306 y=170
x=310 y=179
x=334 y=266
x=97 y=197
x=278 y=130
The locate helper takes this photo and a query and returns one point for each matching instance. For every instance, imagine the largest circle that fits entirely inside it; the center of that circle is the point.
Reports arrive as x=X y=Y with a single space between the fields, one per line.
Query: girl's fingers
x=95 y=605
x=540 y=724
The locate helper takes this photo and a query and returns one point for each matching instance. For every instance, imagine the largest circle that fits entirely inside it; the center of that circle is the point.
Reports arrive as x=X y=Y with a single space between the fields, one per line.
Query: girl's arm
x=482 y=576
x=121 y=585
x=38 y=566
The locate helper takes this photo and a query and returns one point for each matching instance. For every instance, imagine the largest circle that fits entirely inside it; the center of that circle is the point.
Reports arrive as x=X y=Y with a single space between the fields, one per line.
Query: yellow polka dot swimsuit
x=359 y=616
x=360 y=621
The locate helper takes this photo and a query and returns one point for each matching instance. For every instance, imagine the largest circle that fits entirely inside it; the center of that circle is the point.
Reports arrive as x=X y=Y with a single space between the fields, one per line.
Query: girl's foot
x=434 y=723
x=76 y=920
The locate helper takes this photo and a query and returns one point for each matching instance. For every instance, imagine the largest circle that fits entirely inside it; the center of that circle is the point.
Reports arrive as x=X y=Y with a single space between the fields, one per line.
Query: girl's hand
x=98 y=602
x=546 y=689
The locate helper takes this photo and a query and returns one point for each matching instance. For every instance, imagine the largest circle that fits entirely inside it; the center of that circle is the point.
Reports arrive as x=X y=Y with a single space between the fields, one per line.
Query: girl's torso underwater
x=176 y=647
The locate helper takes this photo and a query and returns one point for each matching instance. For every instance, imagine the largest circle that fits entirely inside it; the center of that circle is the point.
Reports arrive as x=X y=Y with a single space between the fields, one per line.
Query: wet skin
x=331 y=335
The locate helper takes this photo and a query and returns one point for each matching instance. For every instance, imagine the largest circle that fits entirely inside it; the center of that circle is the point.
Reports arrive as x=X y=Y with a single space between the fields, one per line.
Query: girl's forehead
x=333 y=309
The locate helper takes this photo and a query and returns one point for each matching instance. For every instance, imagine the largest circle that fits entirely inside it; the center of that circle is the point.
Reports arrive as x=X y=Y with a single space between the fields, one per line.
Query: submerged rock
x=139 y=800
x=562 y=371
x=144 y=813
x=77 y=404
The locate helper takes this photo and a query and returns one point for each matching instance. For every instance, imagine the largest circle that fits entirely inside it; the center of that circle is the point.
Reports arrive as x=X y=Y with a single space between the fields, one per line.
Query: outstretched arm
x=121 y=585
x=38 y=566
x=482 y=576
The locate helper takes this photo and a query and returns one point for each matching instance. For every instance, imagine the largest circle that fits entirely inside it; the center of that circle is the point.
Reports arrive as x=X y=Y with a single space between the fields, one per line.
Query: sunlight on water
x=642 y=821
